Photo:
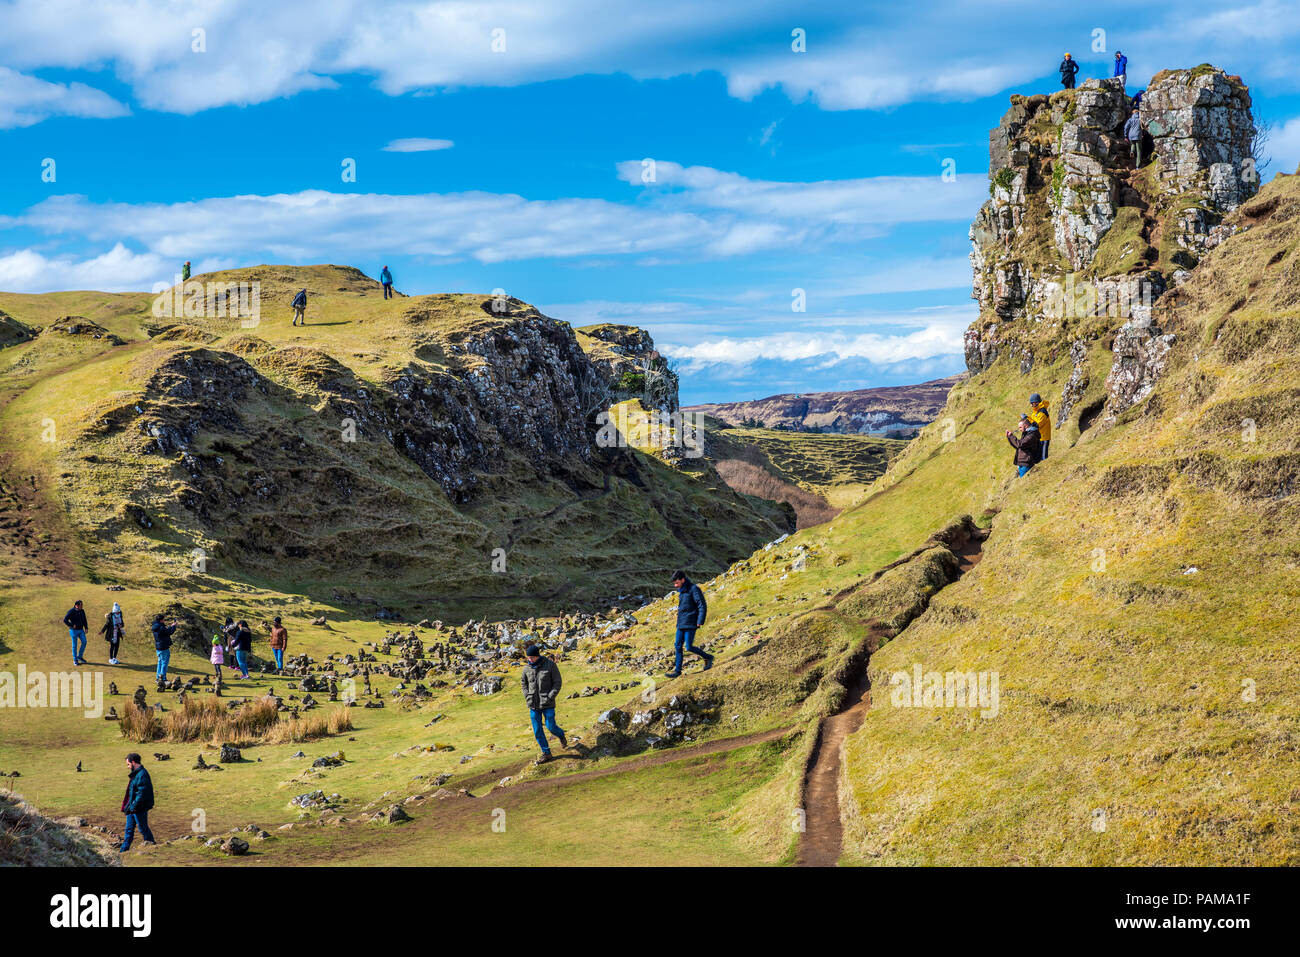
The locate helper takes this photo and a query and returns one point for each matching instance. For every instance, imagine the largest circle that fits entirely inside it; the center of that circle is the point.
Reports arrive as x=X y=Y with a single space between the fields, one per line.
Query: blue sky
x=773 y=170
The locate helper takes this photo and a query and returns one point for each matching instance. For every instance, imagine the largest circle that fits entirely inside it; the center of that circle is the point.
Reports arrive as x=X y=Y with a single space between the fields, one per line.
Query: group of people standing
x=232 y=644
x=1133 y=132
x=1034 y=437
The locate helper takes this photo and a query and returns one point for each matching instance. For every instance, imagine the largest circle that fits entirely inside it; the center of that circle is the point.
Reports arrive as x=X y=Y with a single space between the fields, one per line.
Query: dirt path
x=822 y=840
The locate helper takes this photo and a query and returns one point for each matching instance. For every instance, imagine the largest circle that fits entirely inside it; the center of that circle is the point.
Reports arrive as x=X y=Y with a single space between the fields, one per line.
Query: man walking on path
x=386 y=278
x=1039 y=416
x=300 y=307
x=541 y=683
x=1027 y=445
x=75 y=622
x=1133 y=133
x=691 y=612
x=1121 y=66
x=162 y=644
x=279 y=642
x=137 y=803
x=1068 y=70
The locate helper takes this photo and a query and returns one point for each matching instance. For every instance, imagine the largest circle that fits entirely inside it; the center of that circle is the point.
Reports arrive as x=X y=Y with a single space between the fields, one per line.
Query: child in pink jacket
x=218 y=656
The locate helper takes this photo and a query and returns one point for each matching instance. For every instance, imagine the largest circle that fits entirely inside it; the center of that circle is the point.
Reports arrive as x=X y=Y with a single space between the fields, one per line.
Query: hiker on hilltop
x=279 y=642
x=386 y=278
x=1133 y=133
x=1027 y=444
x=162 y=644
x=243 y=645
x=137 y=802
x=1038 y=415
x=114 y=626
x=185 y=271
x=300 y=307
x=1121 y=66
x=541 y=683
x=692 y=609
x=75 y=622
x=1069 y=69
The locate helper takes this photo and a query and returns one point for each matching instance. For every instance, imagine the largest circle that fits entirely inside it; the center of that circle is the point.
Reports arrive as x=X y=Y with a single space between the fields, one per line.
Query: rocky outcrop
x=630 y=366
x=1071 y=231
x=859 y=411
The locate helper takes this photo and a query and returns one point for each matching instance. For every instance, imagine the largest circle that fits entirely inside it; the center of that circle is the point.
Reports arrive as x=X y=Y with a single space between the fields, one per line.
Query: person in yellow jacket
x=1039 y=416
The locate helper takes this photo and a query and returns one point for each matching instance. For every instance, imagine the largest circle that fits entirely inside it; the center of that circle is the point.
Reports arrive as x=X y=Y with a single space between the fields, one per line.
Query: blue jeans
x=140 y=818
x=164 y=657
x=388 y=290
x=279 y=658
x=78 y=635
x=686 y=636
x=551 y=726
x=241 y=658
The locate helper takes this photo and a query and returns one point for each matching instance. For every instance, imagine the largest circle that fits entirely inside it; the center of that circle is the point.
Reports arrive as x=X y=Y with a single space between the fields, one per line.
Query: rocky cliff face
x=1073 y=232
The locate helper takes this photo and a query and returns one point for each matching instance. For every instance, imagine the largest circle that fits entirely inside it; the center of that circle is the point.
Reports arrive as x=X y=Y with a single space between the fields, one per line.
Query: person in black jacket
x=541 y=683
x=243 y=647
x=162 y=644
x=691 y=612
x=137 y=802
x=1069 y=68
x=75 y=622
x=300 y=307
x=1028 y=446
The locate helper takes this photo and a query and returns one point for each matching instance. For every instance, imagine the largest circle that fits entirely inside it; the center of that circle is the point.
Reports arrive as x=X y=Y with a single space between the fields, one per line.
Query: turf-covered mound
x=29 y=839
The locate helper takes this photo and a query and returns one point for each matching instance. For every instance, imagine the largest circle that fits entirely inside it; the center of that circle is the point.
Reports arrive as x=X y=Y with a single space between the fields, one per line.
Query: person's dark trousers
x=1045 y=445
x=1068 y=84
x=547 y=715
x=388 y=290
x=686 y=637
x=140 y=819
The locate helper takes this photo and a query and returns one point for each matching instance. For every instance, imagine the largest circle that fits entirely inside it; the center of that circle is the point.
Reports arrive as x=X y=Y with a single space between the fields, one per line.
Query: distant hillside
x=890 y=410
x=424 y=453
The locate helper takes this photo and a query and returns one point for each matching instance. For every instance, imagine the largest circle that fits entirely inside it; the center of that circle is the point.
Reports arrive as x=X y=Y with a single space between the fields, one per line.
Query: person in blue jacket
x=691 y=612
x=137 y=803
x=1068 y=69
x=386 y=278
x=1121 y=65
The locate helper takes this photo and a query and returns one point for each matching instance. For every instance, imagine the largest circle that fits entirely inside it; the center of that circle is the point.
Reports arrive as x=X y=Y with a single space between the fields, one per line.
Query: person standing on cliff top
x=1121 y=66
x=1069 y=69
x=386 y=278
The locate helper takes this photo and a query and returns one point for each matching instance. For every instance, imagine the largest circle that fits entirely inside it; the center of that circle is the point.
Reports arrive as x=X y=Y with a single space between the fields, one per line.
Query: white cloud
x=868 y=201
x=417 y=144
x=25 y=100
x=866 y=56
x=1283 y=147
x=118 y=270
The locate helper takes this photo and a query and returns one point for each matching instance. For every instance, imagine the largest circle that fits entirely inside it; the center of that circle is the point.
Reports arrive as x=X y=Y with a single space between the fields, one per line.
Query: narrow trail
x=822 y=840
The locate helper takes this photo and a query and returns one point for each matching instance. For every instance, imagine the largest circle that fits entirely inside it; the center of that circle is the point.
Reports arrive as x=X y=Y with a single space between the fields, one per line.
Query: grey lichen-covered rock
x=1141 y=355
x=1090 y=154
